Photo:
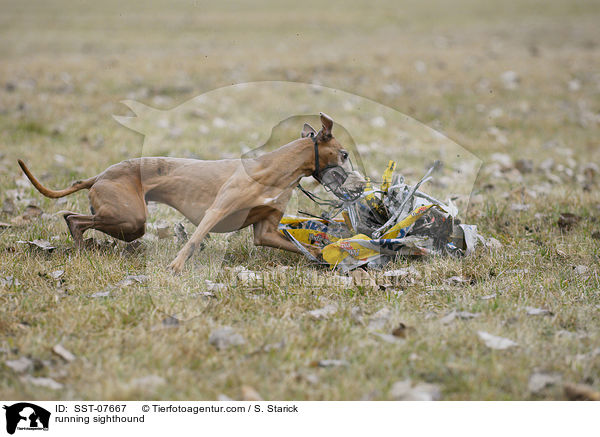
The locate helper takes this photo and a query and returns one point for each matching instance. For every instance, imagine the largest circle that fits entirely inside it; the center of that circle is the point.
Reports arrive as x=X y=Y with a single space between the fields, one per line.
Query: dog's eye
x=344 y=155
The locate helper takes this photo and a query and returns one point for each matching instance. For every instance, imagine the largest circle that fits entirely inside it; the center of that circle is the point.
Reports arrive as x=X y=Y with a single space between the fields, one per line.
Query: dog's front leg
x=211 y=218
x=266 y=234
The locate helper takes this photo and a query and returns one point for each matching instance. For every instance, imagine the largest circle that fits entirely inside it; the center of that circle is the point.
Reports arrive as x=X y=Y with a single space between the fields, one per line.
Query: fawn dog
x=216 y=196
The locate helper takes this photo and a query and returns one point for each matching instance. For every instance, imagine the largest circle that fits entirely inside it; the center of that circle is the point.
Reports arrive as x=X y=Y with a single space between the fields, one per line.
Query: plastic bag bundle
x=395 y=219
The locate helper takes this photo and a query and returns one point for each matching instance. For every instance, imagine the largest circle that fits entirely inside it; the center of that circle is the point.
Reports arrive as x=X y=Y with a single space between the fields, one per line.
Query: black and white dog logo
x=26 y=416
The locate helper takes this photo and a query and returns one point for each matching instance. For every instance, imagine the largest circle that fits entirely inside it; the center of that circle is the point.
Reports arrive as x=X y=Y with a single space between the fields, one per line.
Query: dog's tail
x=79 y=185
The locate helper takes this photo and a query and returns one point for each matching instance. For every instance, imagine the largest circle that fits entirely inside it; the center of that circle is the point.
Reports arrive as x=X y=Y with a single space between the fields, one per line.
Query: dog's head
x=332 y=154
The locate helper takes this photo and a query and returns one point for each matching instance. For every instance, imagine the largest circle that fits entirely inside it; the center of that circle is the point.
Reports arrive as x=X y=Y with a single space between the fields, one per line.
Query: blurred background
x=515 y=76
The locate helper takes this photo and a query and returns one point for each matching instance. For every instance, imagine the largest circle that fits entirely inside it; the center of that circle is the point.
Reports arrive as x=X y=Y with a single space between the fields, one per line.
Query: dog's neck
x=293 y=161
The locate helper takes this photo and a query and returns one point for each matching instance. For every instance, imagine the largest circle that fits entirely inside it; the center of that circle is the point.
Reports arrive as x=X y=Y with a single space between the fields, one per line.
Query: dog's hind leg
x=74 y=229
x=127 y=230
x=118 y=210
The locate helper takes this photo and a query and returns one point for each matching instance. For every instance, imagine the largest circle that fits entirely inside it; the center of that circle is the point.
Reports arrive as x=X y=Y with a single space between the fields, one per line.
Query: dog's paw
x=316 y=252
x=176 y=267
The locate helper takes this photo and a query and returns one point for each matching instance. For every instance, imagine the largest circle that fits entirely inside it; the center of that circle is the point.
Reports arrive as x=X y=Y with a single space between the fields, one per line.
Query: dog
x=216 y=196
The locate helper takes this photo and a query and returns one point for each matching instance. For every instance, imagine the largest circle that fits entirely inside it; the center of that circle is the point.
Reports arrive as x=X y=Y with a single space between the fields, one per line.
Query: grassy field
x=516 y=83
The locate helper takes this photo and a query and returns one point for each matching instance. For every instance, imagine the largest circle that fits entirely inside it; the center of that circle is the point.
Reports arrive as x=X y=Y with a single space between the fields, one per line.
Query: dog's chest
x=274 y=198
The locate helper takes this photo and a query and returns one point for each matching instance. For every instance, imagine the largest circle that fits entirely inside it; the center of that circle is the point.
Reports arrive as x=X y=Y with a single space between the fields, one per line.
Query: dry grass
x=63 y=73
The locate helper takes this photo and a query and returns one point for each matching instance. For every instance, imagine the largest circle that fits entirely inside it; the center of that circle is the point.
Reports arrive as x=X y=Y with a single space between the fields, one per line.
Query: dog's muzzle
x=334 y=179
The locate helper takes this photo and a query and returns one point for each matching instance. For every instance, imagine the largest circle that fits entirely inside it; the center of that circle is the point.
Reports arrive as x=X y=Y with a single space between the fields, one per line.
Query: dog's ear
x=308 y=131
x=327 y=123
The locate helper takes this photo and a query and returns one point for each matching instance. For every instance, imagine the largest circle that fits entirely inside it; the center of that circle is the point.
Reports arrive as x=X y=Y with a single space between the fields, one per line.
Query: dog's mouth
x=346 y=186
